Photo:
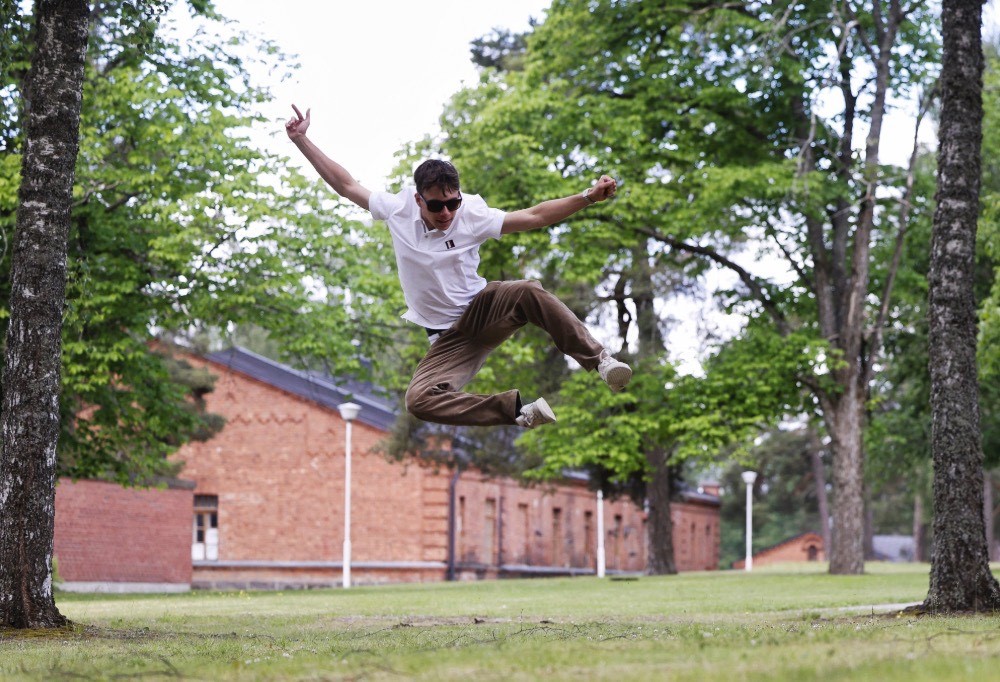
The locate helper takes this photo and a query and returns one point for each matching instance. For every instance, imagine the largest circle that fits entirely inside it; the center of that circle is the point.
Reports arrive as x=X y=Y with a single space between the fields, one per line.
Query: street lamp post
x=348 y=412
x=749 y=477
x=600 y=534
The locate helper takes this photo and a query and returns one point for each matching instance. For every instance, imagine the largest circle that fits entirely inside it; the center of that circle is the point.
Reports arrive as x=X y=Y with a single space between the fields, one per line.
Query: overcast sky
x=376 y=73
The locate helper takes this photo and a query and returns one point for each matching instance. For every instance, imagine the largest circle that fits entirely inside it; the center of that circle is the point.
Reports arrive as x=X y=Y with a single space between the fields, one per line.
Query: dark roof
x=316 y=387
x=701 y=498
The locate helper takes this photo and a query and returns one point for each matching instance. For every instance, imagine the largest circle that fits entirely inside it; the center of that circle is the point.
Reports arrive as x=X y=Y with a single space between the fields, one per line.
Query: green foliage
x=179 y=226
x=989 y=224
x=707 y=115
x=600 y=429
x=751 y=380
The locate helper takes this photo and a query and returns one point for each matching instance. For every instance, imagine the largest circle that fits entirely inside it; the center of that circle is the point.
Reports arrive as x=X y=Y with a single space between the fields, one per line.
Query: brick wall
x=805 y=547
x=108 y=534
x=502 y=523
x=696 y=536
x=277 y=469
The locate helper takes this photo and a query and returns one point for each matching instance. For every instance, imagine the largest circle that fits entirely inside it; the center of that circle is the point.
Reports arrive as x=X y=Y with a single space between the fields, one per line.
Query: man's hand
x=604 y=189
x=298 y=124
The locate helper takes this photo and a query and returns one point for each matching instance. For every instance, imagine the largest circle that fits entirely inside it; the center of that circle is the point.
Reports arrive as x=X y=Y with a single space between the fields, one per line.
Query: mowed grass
x=794 y=623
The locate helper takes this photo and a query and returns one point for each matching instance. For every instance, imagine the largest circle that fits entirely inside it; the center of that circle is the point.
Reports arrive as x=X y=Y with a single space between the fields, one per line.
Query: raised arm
x=554 y=210
x=335 y=175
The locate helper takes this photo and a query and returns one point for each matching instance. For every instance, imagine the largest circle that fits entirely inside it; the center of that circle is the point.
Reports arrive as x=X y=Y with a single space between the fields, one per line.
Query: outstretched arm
x=554 y=210
x=335 y=175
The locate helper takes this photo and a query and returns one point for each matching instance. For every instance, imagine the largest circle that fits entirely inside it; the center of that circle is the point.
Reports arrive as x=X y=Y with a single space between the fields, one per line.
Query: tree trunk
x=660 y=560
x=819 y=479
x=847 y=548
x=960 y=571
x=31 y=380
x=650 y=343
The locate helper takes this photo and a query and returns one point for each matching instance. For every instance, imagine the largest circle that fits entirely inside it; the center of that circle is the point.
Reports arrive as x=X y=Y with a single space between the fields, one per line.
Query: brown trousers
x=498 y=311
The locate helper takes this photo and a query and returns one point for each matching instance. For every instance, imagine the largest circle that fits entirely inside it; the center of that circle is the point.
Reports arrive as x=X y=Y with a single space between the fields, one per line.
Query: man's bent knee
x=420 y=401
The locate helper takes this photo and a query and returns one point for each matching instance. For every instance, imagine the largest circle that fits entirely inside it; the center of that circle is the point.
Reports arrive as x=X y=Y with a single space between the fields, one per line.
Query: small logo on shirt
x=450 y=244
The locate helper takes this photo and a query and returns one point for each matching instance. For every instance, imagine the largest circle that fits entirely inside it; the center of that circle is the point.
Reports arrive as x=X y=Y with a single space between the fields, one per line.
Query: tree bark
x=650 y=342
x=660 y=560
x=960 y=573
x=847 y=537
x=31 y=380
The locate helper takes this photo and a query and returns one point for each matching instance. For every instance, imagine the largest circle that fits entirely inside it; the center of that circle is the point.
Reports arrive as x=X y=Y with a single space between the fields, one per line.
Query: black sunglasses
x=436 y=205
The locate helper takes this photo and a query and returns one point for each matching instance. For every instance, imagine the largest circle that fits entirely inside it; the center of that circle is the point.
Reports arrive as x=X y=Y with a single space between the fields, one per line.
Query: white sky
x=376 y=73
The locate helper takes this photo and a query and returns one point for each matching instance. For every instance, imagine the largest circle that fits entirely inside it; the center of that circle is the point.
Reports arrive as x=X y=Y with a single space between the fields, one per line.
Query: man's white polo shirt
x=438 y=270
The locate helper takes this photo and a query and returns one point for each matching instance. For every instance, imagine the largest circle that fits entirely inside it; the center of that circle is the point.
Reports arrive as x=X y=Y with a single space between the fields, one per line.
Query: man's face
x=448 y=201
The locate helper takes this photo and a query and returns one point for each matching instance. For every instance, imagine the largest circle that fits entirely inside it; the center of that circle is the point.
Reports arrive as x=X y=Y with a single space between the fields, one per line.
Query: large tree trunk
x=650 y=342
x=960 y=570
x=31 y=379
x=847 y=542
x=660 y=560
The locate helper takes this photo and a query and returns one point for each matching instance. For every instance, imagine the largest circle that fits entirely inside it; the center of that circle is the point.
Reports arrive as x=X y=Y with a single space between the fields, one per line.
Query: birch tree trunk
x=31 y=378
x=960 y=571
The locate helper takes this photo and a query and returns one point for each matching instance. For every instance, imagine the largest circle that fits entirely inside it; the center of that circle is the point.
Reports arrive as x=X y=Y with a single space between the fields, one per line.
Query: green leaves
x=180 y=226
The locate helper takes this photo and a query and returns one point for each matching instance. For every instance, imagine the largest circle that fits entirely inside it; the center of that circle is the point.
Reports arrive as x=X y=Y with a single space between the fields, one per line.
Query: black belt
x=432 y=332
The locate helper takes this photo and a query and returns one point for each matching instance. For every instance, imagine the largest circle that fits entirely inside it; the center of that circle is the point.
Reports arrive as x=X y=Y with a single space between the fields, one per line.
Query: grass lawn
x=776 y=623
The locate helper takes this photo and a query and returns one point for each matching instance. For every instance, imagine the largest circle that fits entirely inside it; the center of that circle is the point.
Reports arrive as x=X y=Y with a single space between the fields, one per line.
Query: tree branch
x=757 y=290
x=904 y=220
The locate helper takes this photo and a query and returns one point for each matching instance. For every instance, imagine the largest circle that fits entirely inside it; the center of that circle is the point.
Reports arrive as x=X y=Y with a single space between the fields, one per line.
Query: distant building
x=896 y=548
x=802 y=547
x=267 y=509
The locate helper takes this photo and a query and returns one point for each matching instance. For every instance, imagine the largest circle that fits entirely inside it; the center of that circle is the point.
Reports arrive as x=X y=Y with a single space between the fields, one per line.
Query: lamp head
x=749 y=477
x=349 y=411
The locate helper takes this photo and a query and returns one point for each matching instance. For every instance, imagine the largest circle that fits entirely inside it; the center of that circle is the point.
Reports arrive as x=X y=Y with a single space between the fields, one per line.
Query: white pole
x=600 y=534
x=348 y=412
x=749 y=477
x=347 y=509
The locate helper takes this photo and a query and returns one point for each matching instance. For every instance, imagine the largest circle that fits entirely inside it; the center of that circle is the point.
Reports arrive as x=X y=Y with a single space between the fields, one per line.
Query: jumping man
x=436 y=232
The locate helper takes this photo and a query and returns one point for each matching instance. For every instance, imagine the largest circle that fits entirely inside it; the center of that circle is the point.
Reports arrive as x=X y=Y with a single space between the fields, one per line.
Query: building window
x=205 y=531
x=588 y=538
x=522 y=511
x=557 y=537
x=460 y=521
x=489 y=530
x=616 y=533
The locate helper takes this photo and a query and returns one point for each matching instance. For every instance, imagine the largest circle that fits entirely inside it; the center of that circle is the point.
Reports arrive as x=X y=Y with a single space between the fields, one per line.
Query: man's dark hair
x=436 y=173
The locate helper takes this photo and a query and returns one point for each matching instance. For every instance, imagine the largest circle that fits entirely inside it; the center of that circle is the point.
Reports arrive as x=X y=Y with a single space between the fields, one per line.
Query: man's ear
x=420 y=200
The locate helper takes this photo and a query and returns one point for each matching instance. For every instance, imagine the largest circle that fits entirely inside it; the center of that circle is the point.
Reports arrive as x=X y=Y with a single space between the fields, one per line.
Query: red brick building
x=114 y=539
x=268 y=507
x=802 y=547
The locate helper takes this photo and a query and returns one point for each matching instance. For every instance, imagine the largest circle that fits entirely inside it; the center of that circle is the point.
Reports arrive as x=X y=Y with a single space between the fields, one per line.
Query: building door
x=205 y=530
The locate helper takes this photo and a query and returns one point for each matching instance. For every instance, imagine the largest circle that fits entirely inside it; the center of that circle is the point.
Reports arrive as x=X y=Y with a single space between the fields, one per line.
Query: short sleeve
x=483 y=221
x=382 y=204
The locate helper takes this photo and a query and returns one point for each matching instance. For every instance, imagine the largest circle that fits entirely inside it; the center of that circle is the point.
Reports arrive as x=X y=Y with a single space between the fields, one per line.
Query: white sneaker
x=616 y=374
x=535 y=414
